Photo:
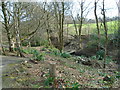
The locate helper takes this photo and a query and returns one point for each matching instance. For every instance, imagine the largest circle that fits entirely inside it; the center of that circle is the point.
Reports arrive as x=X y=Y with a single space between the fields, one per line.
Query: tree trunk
x=59 y=14
x=60 y=33
x=48 y=30
x=17 y=23
x=74 y=25
x=6 y=25
x=62 y=23
x=67 y=30
x=80 y=40
x=80 y=27
x=97 y=25
x=106 y=34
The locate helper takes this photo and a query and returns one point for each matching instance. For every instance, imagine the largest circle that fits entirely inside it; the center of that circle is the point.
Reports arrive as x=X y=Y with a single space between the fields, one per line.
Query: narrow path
x=10 y=60
x=5 y=61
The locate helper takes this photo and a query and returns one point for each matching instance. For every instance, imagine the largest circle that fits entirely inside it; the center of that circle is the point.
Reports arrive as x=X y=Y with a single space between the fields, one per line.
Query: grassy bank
x=90 y=28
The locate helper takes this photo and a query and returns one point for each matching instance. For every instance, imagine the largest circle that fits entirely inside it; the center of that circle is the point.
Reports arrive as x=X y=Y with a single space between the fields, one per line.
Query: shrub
x=75 y=85
x=43 y=49
x=108 y=60
x=15 y=49
x=93 y=57
x=92 y=44
x=38 y=56
x=25 y=43
x=93 y=38
x=118 y=75
x=100 y=54
x=102 y=41
x=93 y=41
x=38 y=41
x=55 y=51
x=49 y=81
x=43 y=43
x=28 y=51
x=35 y=86
x=65 y=55
x=25 y=51
x=109 y=80
x=35 y=53
x=115 y=38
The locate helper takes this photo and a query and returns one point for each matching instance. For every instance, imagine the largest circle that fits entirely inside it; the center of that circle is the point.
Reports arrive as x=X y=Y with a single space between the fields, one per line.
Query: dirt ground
x=27 y=74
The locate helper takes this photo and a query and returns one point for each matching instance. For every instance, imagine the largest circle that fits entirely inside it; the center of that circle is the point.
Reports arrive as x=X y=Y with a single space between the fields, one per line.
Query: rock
x=88 y=62
x=82 y=53
x=84 y=61
x=33 y=61
x=72 y=51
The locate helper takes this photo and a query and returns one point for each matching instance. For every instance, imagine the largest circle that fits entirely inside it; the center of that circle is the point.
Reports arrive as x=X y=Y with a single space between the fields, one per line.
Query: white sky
x=110 y=6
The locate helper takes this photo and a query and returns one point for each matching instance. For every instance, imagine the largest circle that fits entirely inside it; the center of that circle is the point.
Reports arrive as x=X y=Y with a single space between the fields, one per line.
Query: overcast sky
x=110 y=6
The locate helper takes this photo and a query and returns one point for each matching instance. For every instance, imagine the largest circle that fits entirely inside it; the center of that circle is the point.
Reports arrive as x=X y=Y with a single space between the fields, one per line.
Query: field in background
x=90 y=28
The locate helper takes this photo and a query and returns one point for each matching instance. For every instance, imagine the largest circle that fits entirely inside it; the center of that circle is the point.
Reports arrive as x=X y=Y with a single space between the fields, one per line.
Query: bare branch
x=9 y=12
x=35 y=29
x=30 y=35
x=2 y=22
x=86 y=7
x=11 y=25
x=1 y=16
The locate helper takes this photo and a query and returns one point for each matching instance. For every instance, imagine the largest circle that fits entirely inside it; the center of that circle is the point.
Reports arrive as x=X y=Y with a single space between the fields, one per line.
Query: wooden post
x=52 y=72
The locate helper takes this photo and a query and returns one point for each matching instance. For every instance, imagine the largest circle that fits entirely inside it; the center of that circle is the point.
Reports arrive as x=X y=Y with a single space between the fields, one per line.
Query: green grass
x=91 y=28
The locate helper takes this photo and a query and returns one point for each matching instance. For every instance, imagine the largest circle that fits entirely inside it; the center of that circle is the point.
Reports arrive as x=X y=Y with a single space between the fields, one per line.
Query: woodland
x=55 y=45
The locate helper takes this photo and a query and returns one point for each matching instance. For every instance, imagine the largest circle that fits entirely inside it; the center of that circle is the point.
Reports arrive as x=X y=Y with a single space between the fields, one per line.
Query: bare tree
x=17 y=9
x=33 y=20
x=6 y=24
x=74 y=22
x=97 y=23
x=59 y=15
x=62 y=23
x=106 y=32
x=47 y=21
x=80 y=17
x=81 y=22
